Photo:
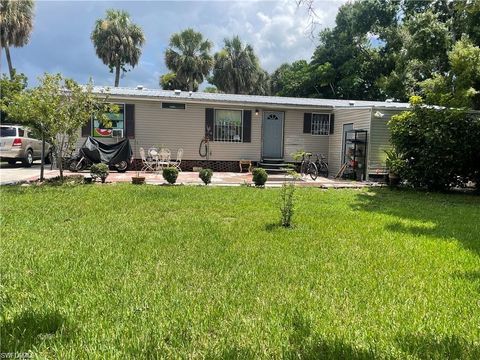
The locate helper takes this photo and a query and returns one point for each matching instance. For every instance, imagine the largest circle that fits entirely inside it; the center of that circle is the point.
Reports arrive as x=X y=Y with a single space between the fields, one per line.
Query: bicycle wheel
x=303 y=170
x=323 y=169
x=312 y=170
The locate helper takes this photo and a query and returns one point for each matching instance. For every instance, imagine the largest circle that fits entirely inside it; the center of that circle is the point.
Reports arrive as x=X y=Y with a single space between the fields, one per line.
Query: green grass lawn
x=196 y=272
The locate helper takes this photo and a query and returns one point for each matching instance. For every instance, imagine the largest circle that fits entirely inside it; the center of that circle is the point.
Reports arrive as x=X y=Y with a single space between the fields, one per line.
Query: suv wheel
x=28 y=160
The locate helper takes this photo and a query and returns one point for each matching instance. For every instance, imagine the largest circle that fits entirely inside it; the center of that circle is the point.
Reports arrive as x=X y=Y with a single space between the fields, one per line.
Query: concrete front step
x=272 y=165
x=272 y=160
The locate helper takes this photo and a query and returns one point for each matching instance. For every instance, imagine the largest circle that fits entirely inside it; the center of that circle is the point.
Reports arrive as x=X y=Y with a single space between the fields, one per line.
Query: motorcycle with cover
x=117 y=156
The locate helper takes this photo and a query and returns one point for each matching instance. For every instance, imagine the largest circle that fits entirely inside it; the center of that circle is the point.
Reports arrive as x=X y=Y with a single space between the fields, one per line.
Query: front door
x=273 y=134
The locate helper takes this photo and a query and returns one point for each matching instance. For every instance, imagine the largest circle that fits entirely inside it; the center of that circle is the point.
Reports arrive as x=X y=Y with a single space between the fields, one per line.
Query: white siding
x=185 y=129
x=360 y=118
x=296 y=140
x=379 y=140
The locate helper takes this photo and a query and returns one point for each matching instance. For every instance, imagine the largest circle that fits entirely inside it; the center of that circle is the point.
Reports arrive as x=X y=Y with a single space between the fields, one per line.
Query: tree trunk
x=9 y=61
x=117 y=74
x=59 y=158
x=42 y=164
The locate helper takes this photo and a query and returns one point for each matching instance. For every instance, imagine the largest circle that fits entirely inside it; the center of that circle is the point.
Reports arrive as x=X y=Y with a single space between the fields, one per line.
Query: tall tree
x=188 y=56
x=460 y=87
x=16 y=24
x=118 y=42
x=170 y=81
x=237 y=68
x=356 y=63
x=382 y=49
x=301 y=79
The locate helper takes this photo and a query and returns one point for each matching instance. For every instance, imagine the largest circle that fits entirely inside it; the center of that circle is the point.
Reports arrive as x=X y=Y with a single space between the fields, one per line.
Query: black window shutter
x=307 y=123
x=87 y=129
x=209 y=115
x=130 y=121
x=247 y=126
x=332 y=123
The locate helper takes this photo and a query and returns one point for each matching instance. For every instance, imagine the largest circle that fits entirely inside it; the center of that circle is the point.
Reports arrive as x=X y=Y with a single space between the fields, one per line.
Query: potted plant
x=99 y=171
x=260 y=177
x=394 y=164
x=170 y=174
x=206 y=176
x=137 y=179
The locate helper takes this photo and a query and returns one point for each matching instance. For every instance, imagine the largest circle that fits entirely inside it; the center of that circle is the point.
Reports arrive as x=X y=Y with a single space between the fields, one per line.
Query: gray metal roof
x=244 y=99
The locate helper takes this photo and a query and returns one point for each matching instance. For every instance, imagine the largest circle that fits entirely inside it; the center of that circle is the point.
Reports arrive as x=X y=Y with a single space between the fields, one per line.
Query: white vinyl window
x=320 y=124
x=228 y=125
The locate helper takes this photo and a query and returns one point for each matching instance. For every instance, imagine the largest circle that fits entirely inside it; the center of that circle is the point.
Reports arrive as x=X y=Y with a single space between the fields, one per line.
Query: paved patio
x=234 y=179
x=17 y=175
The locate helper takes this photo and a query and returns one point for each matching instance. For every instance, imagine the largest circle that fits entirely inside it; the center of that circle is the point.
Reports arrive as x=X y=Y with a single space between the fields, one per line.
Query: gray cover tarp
x=110 y=154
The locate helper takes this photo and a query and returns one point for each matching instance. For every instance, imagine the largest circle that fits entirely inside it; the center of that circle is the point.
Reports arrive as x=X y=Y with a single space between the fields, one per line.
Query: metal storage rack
x=355 y=154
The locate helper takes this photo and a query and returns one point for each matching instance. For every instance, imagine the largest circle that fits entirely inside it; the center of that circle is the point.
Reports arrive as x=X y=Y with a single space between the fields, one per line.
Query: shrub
x=99 y=171
x=170 y=174
x=206 y=175
x=260 y=176
x=439 y=146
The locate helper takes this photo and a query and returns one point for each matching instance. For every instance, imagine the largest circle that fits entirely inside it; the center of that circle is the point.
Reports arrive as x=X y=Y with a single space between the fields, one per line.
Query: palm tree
x=170 y=81
x=189 y=57
x=236 y=68
x=117 y=41
x=16 y=24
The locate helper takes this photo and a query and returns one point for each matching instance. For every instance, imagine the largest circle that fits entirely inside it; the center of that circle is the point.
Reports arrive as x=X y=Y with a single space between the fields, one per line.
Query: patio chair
x=146 y=164
x=153 y=153
x=163 y=158
x=178 y=160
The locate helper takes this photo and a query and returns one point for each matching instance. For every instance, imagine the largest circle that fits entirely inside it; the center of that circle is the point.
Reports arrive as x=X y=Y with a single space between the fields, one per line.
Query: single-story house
x=262 y=129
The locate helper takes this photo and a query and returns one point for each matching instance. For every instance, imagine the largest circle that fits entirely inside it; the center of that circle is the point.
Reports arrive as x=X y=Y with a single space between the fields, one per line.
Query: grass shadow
x=277 y=226
x=29 y=329
x=305 y=344
x=444 y=216
x=272 y=226
x=432 y=347
x=235 y=353
x=473 y=276
x=410 y=229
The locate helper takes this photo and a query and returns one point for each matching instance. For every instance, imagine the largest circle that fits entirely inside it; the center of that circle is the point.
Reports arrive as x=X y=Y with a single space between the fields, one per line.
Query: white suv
x=21 y=143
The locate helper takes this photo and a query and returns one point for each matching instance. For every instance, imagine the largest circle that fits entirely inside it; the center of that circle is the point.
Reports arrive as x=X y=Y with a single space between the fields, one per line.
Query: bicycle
x=322 y=166
x=308 y=167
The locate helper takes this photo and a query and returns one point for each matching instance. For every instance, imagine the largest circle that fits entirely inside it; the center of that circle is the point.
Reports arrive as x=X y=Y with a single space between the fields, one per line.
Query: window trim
x=172 y=102
x=124 y=123
x=215 y=125
x=329 y=123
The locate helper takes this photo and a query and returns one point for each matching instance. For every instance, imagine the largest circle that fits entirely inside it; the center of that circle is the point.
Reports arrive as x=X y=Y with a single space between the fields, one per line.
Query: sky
x=278 y=31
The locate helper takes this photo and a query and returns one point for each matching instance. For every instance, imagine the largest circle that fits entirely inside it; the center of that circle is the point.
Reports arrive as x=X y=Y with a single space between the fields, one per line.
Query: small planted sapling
x=288 y=199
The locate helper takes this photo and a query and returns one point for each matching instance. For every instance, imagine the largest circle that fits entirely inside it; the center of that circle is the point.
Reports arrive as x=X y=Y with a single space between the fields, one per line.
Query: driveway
x=13 y=174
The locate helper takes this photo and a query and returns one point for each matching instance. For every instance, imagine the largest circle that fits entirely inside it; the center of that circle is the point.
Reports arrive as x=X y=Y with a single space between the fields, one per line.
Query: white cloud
x=278 y=31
